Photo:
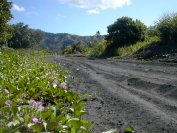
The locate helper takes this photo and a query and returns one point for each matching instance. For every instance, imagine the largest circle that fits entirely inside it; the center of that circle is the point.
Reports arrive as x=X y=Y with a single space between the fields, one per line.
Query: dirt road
x=143 y=95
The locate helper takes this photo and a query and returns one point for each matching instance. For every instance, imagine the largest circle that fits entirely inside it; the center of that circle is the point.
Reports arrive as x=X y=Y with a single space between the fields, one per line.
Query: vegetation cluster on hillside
x=126 y=37
x=131 y=38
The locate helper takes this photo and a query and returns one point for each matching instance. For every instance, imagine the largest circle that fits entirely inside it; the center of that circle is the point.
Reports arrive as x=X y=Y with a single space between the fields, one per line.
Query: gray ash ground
x=143 y=95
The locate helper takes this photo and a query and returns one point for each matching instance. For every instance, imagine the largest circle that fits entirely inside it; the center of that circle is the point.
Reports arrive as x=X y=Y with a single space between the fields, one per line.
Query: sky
x=86 y=17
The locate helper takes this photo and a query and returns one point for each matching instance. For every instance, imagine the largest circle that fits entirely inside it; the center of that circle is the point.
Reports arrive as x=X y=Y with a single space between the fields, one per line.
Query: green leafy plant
x=35 y=97
x=129 y=129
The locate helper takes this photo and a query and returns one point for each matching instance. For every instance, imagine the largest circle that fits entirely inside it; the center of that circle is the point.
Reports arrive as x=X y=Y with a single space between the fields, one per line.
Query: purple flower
x=63 y=85
x=32 y=102
x=36 y=104
x=55 y=83
x=37 y=121
x=6 y=91
x=39 y=105
x=8 y=102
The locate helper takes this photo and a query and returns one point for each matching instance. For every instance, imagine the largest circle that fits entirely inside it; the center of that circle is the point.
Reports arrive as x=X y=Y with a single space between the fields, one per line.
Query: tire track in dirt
x=141 y=94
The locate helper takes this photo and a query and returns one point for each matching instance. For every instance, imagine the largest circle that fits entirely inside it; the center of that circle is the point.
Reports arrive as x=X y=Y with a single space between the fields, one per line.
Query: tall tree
x=98 y=35
x=24 y=37
x=37 y=36
x=5 y=16
x=125 y=31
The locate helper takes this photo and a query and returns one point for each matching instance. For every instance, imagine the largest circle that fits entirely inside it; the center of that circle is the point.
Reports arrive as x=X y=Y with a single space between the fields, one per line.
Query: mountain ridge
x=55 y=41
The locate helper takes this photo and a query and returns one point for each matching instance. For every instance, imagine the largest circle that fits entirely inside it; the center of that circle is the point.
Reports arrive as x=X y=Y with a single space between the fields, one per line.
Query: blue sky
x=85 y=17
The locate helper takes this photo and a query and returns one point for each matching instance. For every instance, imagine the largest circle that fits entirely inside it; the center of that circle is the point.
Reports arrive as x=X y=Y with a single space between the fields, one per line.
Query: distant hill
x=56 y=41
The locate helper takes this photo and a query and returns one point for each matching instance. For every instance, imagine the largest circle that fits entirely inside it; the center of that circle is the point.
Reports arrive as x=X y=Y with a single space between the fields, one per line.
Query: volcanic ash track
x=143 y=95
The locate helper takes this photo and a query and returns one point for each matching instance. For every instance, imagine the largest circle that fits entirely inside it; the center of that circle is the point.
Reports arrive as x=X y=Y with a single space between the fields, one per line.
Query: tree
x=76 y=48
x=37 y=37
x=24 y=37
x=5 y=16
x=152 y=31
x=98 y=35
x=125 y=31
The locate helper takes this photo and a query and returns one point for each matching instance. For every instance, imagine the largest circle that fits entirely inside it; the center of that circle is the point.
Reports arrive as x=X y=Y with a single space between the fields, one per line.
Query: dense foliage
x=167 y=27
x=126 y=37
x=24 y=37
x=96 y=49
x=126 y=31
x=152 y=32
x=75 y=48
x=35 y=96
x=93 y=49
x=5 y=16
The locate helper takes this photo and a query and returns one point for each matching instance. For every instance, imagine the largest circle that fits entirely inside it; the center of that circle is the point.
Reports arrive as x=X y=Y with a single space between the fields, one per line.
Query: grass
x=35 y=97
x=132 y=49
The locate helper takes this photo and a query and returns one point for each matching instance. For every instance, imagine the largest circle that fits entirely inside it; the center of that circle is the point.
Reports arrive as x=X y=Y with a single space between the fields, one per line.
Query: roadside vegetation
x=127 y=37
x=34 y=94
x=128 y=51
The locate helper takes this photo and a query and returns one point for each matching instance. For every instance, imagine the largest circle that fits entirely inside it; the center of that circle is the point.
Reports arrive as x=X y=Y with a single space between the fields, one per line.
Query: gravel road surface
x=135 y=93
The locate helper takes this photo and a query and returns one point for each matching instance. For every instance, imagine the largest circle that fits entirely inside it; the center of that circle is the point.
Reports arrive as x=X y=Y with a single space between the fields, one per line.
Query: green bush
x=96 y=49
x=76 y=48
x=167 y=27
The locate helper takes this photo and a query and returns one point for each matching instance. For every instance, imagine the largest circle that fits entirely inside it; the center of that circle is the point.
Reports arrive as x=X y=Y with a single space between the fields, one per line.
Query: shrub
x=167 y=27
x=96 y=49
x=76 y=48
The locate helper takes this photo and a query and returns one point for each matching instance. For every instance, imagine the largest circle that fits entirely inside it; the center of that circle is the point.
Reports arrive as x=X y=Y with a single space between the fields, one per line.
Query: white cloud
x=95 y=6
x=93 y=11
x=18 y=8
